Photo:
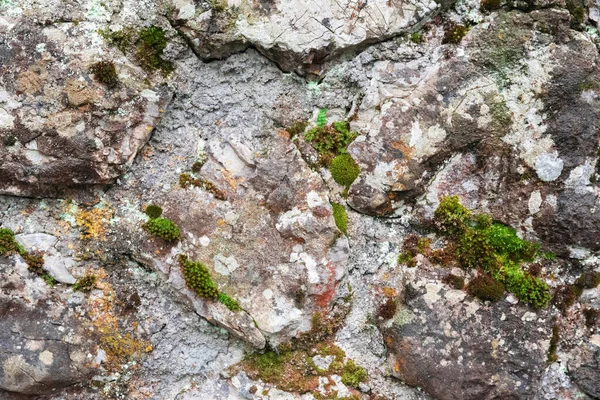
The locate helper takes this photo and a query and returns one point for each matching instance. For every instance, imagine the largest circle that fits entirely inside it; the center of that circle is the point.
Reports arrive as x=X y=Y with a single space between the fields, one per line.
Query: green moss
x=486 y=288
x=577 y=10
x=197 y=166
x=330 y=141
x=105 y=73
x=121 y=39
x=153 y=211
x=150 y=46
x=322 y=117
x=229 y=302
x=478 y=242
x=340 y=216
x=353 y=375
x=198 y=278
x=588 y=280
x=407 y=259
x=297 y=127
x=85 y=284
x=344 y=170
x=554 y=344
x=163 y=227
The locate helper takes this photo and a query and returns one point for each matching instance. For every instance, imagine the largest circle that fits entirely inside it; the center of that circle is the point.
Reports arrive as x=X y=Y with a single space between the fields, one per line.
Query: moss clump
x=454 y=281
x=121 y=39
x=340 y=216
x=151 y=44
x=554 y=343
x=153 y=211
x=186 y=180
x=353 y=375
x=85 y=284
x=478 y=242
x=412 y=246
x=592 y=316
x=566 y=295
x=344 y=170
x=330 y=141
x=197 y=166
x=577 y=10
x=163 y=227
x=198 y=278
x=486 y=288
x=105 y=73
x=588 y=280
x=10 y=140
x=229 y=302
x=454 y=33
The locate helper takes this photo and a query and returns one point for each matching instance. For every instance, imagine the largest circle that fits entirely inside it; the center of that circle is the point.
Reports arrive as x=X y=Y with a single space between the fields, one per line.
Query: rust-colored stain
x=402 y=147
x=325 y=297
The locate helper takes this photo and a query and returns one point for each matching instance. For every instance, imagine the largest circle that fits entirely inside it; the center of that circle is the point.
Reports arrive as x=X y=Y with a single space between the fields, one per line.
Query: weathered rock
x=296 y=37
x=60 y=128
x=43 y=346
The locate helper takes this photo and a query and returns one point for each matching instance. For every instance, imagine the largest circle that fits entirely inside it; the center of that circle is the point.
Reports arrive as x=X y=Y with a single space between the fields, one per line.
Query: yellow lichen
x=94 y=222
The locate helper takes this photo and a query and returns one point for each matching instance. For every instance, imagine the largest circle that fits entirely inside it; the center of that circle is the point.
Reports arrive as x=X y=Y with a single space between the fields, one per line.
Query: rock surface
x=495 y=103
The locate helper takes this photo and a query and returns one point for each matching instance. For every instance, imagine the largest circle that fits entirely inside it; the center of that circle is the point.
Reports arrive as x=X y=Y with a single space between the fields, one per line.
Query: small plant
x=344 y=170
x=322 y=117
x=85 y=284
x=388 y=309
x=454 y=281
x=105 y=73
x=198 y=278
x=552 y=357
x=50 y=281
x=588 y=280
x=450 y=215
x=163 y=227
x=153 y=211
x=229 y=302
x=340 y=217
x=353 y=375
x=151 y=44
x=486 y=288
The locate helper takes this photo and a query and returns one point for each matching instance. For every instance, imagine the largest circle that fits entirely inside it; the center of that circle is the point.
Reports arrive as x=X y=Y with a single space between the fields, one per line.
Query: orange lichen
x=94 y=222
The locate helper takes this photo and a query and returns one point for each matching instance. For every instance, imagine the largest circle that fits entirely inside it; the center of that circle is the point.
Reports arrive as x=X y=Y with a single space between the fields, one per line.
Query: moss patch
x=198 y=278
x=153 y=211
x=164 y=228
x=554 y=344
x=344 y=170
x=340 y=216
x=478 y=242
x=290 y=367
x=454 y=33
x=330 y=140
x=121 y=39
x=229 y=302
x=486 y=288
x=150 y=46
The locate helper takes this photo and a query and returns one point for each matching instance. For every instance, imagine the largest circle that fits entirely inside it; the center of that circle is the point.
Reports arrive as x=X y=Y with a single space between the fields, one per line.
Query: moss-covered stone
x=344 y=170
x=330 y=140
x=9 y=246
x=150 y=46
x=198 y=278
x=229 y=302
